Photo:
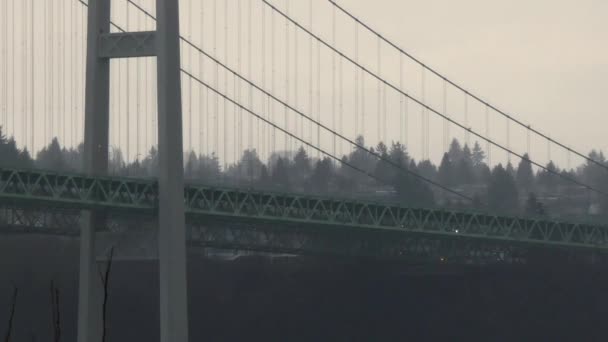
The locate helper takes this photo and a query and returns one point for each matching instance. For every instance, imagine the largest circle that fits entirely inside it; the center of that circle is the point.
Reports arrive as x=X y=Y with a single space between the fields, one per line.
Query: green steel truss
x=240 y=210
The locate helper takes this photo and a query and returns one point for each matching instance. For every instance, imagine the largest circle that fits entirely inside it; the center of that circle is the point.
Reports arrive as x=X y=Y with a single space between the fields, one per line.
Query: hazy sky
x=544 y=61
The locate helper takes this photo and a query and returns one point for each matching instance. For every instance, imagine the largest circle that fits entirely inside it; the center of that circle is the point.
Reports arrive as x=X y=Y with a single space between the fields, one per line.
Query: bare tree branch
x=7 y=337
x=56 y=314
x=105 y=280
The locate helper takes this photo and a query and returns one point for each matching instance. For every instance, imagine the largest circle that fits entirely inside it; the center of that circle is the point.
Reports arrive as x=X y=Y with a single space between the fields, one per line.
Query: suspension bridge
x=253 y=75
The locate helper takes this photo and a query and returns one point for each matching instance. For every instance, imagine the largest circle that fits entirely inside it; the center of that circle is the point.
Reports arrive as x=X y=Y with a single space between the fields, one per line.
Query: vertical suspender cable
x=13 y=87
x=32 y=90
x=24 y=78
x=423 y=113
x=341 y=115
x=237 y=87
x=200 y=93
x=446 y=123
x=384 y=114
x=406 y=121
x=549 y=149
x=204 y=134
x=226 y=86
x=286 y=110
x=264 y=97
x=488 y=146
x=216 y=83
x=356 y=93
x=333 y=79
x=528 y=142
x=63 y=60
x=272 y=66
x=146 y=148
x=508 y=141
x=379 y=112
x=363 y=109
x=128 y=97
x=318 y=96
x=71 y=74
x=190 y=128
x=310 y=77
x=4 y=76
x=297 y=127
x=401 y=102
x=250 y=73
x=44 y=72
x=119 y=96
x=466 y=119
x=137 y=92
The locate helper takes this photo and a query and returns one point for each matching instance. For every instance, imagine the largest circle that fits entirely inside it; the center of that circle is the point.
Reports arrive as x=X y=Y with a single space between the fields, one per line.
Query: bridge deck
x=36 y=189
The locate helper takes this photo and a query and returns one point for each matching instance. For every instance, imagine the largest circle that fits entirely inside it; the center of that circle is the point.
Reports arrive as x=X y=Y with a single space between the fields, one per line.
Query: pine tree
x=383 y=170
x=280 y=174
x=478 y=156
x=455 y=151
x=502 y=191
x=464 y=167
x=301 y=165
x=525 y=175
x=445 y=174
x=321 y=175
x=51 y=157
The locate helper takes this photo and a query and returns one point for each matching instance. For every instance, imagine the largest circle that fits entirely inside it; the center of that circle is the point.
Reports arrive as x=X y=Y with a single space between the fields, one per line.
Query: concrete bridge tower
x=102 y=46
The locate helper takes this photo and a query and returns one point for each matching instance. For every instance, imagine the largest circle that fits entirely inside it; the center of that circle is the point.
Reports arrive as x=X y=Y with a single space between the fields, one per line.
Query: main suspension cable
x=318 y=148
x=462 y=89
x=403 y=93
x=420 y=103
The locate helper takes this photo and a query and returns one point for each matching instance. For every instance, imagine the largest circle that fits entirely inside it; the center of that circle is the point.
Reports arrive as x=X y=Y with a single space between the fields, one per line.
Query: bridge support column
x=103 y=46
x=172 y=231
x=97 y=103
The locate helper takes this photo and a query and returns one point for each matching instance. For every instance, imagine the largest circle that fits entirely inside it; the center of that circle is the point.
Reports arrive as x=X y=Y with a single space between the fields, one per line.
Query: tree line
x=507 y=189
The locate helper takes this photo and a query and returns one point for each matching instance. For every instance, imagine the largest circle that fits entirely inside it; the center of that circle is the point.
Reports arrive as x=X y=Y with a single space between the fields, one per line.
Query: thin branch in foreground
x=105 y=280
x=9 y=331
x=56 y=313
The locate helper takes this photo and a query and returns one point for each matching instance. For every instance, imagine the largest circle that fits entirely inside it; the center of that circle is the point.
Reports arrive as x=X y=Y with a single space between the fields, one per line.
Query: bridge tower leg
x=101 y=47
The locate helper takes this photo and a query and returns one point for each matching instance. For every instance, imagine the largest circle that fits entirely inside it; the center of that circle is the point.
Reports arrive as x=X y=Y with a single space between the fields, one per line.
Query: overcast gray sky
x=545 y=61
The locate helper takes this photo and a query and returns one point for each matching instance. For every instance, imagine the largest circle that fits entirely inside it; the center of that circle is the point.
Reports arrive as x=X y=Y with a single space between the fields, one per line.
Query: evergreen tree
x=525 y=175
x=209 y=168
x=455 y=151
x=445 y=174
x=510 y=169
x=549 y=178
x=301 y=165
x=249 y=167
x=464 y=167
x=264 y=177
x=24 y=160
x=191 y=165
x=383 y=170
x=321 y=176
x=478 y=155
x=150 y=162
x=280 y=174
x=51 y=157
x=502 y=191
x=427 y=169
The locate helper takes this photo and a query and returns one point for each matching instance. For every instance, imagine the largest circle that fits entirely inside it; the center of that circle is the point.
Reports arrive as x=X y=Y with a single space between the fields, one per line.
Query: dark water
x=256 y=299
